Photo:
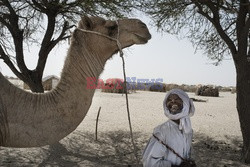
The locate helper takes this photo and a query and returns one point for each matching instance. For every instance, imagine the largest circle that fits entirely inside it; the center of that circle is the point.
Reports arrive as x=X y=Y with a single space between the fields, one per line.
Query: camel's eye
x=113 y=27
x=112 y=30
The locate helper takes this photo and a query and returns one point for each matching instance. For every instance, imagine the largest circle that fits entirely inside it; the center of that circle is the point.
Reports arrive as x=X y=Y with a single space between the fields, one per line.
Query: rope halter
x=111 y=38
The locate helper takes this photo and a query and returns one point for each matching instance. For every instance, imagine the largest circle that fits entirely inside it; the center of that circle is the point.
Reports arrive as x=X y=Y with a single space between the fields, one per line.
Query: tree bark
x=35 y=85
x=34 y=82
x=243 y=103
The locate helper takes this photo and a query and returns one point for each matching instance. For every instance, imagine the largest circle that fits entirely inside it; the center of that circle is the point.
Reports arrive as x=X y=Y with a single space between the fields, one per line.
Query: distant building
x=16 y=81
x=50 y=82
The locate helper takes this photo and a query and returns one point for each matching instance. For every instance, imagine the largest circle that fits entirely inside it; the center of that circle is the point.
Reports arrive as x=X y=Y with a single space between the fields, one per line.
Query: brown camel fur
x=32 y=120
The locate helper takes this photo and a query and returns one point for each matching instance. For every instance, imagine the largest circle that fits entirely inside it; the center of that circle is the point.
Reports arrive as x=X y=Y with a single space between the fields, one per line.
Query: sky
x=163 y=57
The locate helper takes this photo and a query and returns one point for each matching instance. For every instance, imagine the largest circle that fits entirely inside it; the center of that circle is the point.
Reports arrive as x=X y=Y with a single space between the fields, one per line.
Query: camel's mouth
x=143 y=38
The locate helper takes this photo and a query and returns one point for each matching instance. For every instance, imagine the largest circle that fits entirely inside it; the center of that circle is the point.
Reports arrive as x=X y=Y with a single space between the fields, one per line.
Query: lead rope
x=126 y=93
x=168 y=147
x=125 y=81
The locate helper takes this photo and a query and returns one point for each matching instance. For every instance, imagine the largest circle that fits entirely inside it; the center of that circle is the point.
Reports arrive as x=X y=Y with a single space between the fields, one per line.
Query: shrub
x=158 y=87
x=207 y=91
x=114 y=85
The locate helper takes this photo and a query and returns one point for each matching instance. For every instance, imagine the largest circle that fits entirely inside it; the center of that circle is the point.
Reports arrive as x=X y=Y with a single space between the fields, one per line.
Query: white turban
x=185 y=114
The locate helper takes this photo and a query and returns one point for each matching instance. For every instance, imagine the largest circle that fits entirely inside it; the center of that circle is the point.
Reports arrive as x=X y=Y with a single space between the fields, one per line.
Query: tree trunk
x=243 y=104
x=34 y=81
x=35 y=86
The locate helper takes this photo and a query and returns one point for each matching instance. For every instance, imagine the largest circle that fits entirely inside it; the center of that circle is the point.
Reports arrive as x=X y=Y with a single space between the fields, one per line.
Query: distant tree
x=221 y=29
x=45 y=23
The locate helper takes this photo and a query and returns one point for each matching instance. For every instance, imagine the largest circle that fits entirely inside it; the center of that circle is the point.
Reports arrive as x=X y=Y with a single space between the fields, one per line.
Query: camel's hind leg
x=3 y=124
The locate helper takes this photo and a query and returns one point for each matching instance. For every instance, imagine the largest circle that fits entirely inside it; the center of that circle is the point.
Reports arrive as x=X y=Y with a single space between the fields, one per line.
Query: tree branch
x=8 y=5
x=62 y=34
x=9 y=63
x=215 y=20
x=45 y=46
x=17 y=35
x=37 y=5
x=227 y=28
x=3 y=21
x=242 y=27
x=247 y=26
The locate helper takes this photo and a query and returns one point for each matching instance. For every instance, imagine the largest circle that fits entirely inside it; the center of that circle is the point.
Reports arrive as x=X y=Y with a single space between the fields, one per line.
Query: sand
x=217 y=136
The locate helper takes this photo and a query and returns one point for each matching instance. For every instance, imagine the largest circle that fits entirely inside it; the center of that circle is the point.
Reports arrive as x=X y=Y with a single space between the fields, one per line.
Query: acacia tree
x=221 y=29
x=44 y=23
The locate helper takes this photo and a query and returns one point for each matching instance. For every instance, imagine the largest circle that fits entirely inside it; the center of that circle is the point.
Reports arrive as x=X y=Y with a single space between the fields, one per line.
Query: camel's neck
x=72 y=92
x=49 y=117
x=81 y=64
x=72 y=96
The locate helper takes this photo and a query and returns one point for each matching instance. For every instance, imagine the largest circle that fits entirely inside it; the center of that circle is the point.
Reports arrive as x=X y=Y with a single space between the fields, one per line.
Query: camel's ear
x=86 y=23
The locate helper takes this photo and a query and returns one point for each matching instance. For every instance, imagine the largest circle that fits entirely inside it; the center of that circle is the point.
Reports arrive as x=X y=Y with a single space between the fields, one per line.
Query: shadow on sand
x=114 y=149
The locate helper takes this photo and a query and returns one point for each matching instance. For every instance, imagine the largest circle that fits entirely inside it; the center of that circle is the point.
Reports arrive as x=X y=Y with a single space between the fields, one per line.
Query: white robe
x=157 y=155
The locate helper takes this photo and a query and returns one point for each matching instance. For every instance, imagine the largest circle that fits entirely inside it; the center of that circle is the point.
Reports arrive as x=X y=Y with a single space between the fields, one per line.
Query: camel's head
x=131 y=31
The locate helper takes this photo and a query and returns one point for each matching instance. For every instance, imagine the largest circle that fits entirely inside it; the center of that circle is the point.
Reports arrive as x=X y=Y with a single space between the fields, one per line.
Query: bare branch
x=63 y=33
x=45 y=46
x=37 y=5
x=7 y=61
x=7 y=4
x=215 y=20
x=229 y=26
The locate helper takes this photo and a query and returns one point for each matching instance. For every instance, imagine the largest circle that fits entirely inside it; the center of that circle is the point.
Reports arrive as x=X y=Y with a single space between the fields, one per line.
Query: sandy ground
x=217 y=136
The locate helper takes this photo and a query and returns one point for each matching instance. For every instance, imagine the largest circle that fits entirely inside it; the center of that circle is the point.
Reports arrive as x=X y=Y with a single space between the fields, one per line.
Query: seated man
x=170 y=144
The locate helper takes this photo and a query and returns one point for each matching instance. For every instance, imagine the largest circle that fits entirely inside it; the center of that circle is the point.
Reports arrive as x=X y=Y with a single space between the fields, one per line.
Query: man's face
x=174 y=103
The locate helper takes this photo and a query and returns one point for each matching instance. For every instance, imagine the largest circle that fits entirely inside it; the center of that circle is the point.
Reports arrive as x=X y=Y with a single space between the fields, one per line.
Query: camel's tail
x=3 y=124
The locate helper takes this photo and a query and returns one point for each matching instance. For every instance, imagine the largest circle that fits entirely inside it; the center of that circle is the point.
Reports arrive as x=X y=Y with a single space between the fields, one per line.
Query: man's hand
x=175 y=166
x=184 y=164
x=190 y=163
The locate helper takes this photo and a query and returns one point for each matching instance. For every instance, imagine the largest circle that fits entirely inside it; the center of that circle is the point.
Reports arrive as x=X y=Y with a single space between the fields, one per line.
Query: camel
x=38 y=119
